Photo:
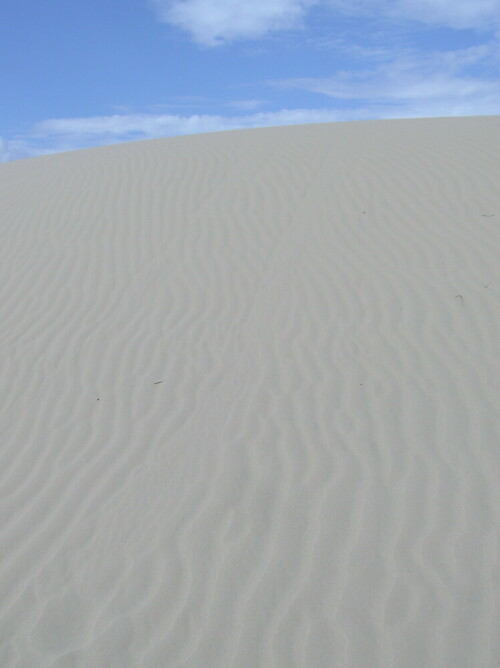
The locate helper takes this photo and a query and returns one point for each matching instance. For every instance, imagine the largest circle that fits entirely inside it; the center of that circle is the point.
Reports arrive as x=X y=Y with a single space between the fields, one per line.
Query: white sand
x=250 y=400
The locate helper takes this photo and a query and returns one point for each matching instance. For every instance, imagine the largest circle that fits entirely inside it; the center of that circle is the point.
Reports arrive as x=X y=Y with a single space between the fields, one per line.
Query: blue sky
x=89 y=73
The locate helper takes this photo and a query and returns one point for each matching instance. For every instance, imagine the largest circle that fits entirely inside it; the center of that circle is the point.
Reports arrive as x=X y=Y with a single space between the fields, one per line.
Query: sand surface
x=250 y=400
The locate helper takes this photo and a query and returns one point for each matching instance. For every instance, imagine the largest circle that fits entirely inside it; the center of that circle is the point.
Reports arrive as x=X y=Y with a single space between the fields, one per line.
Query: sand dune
x=249 y=400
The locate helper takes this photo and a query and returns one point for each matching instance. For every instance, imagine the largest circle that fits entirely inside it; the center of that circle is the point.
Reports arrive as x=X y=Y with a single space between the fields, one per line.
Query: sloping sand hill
x=250 y=400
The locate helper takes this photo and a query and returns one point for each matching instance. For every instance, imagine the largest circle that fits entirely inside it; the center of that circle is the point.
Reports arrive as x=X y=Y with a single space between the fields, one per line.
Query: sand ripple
x=250 y=399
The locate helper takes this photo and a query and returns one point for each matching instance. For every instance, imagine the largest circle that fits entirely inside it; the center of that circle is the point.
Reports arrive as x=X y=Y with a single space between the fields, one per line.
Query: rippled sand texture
x=250 y=400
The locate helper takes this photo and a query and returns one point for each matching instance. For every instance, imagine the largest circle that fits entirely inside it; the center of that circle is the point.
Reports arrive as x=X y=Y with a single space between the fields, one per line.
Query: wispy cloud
x=66 y=134
x=215 y=22
x=475 y=14
x=448 y=83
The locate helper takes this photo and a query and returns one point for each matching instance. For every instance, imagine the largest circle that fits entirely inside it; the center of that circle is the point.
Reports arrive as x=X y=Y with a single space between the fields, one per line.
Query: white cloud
x=106 y=129
x=4 y=150
x=214 y=22
x=12 y=150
